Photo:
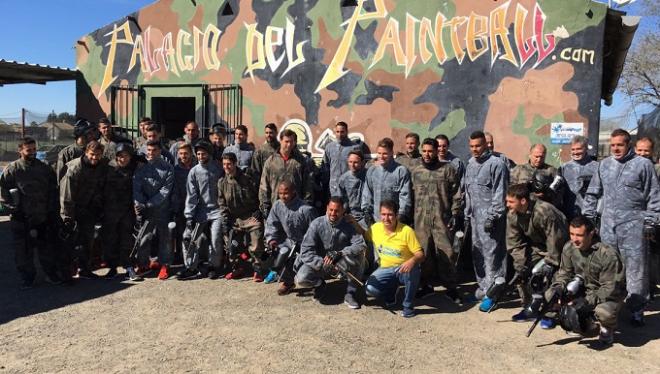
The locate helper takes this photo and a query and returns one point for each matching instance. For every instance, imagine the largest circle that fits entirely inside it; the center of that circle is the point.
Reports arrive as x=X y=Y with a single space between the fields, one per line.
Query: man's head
x=83 y=132
x=355 y=161
x=191 y=130
x=478 y=144
x=94 y=152
x=105 y=128
x=153 y=150
x=619 y=143
x=285 y=191
x=185 y=154
x=241 y=134
x=143 y=124
x=490 y=142
x=153 y=132
x=429 y=151
x=288 y=142
x=388 y=211
x=644 y=148
x=203 y=150
x=443 y=146
x=27 y=149
x=270 y=131
x=335 y=209
x=412 y=142
x=579 y=146
x=123 y=154
x=537 y=155
x=217 y=134
x=341 y=131
x=385 y=150
x=517 y=198
x=581 y=231
x=229 y=161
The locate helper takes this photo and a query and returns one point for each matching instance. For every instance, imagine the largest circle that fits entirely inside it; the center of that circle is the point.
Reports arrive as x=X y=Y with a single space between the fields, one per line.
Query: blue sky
x=44 y=32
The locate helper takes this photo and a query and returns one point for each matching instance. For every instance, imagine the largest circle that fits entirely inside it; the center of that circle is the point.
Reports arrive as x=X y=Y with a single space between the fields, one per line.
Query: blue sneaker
x=486 y=304
x=408 y=312
x=548 y=323
x=523 y=316
x=271 y=277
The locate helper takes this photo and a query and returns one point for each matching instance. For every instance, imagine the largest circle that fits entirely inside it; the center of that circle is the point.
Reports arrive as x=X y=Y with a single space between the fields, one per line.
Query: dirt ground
x=240 y=326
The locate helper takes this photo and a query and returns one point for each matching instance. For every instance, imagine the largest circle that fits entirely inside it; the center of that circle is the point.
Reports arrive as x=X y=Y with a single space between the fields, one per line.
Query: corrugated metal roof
x=23 y=72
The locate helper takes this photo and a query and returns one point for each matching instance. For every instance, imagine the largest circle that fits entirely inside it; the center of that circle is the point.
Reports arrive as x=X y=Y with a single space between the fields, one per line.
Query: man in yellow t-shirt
x=400 y=255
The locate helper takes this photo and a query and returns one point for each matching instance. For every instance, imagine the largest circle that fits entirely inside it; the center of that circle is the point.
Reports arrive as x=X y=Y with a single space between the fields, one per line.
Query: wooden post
x=23 y=122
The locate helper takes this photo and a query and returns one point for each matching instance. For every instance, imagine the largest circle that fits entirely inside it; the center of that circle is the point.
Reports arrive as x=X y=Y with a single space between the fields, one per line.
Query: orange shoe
x=154 y=265
x=164 y=273
x=257 y=277
x=285 y=288
x=235 y=274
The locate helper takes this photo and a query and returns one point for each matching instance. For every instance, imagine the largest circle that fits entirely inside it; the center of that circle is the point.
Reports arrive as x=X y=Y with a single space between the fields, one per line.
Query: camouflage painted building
x=519 y=69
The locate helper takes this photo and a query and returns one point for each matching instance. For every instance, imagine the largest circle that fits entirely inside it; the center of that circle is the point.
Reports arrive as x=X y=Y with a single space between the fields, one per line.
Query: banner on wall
x=563 y=132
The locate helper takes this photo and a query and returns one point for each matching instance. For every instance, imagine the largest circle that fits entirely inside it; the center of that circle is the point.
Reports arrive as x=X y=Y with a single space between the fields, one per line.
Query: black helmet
x=124 y=147
x=205 y=145
x=81 y=127
x=578 y=318
x=540 y=182
x=220 y=128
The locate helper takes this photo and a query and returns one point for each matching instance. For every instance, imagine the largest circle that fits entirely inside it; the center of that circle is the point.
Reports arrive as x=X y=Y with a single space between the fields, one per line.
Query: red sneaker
x=244 y=256
x=235 y=274
x=154 y=265
x=257 y=277
x=164 y=273
x=142 y=270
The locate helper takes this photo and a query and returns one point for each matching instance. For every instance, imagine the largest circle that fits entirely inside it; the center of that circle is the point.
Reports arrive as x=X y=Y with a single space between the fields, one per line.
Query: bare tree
x=641 y=73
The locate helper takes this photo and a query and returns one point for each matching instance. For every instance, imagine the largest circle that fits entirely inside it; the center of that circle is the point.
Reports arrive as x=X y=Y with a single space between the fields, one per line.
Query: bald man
x=525 y=173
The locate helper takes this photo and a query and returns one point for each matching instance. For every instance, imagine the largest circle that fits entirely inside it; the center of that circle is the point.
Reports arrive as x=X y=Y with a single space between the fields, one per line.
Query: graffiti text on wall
x=482 y=34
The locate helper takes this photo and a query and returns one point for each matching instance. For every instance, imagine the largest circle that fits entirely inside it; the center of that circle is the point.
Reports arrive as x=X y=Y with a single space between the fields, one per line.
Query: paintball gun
x=142 y=234
x=457 y=245
x=171 y=226
x=499 y=288
x=284 y=255
x=574 y=289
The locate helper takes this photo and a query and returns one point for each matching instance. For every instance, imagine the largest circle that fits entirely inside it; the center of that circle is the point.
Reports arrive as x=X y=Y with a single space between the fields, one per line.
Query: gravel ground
x=240 y=326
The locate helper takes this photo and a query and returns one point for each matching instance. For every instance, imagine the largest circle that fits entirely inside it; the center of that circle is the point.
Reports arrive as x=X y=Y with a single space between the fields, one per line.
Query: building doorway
x=172 y=113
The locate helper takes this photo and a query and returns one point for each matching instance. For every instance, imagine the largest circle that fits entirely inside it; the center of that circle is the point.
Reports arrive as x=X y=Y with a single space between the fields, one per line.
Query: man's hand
x=139 y=209
x=272 y=245
x=407 y=266
x=257 y=215
x=488 y=225
x=332 y=257
x=189 y=225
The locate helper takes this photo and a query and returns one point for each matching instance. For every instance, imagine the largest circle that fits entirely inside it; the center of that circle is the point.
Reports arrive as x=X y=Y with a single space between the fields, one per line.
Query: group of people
x=577 y=242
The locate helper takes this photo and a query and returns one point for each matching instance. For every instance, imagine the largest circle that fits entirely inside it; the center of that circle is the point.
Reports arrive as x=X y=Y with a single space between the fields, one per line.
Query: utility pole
x=23 y=122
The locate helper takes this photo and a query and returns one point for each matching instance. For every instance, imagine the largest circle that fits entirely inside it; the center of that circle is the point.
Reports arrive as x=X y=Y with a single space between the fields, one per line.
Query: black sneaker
x=637 y=319
x=87 y=274
x=349 y=299
x=53 y=278
x=132 y=275
x=453 y=295
x=319 y=291
x=187 y=274
x=110 y=274
x=424 y=292
x=213 y=273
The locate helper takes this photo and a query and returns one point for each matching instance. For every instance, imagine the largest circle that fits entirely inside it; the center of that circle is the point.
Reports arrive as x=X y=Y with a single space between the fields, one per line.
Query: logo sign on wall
x=563 y=132
x=306 y=141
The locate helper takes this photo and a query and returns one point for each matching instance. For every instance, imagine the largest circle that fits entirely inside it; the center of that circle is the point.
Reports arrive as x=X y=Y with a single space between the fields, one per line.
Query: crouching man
x=331 y=243
x=400 y=256
x=603 y=279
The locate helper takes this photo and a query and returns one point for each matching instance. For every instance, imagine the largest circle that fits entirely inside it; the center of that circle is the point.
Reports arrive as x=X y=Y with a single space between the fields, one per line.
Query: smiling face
x=411 y=144
x=429 y=155
x=618 y=146
x=443 y=149
x=240 y=136
x=94 y=156
x=578 y=151
x=580 y=237
x=335 y=211
x=516 y=205
x=384 y=155
x=354 y=163
x=644 y=148
x=28 y=151
x=388 y=217
x=270 y=134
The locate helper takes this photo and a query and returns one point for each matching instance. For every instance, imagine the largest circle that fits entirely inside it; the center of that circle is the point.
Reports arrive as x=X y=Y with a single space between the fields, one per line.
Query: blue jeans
x=384 y=282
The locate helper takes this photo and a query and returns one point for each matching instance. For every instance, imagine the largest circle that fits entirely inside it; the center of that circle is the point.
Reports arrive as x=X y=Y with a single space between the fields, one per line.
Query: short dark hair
x=271 y=126
x=580 y=220
x=144 y=119
x=443 y=137
x=431 y=142
x=94 y=146
x=357 y=153
x=104 y=121
x=154 y=143
x=342 y=124
x=621 y=132
x=230 y=156
x=386 y=143
x=646 y=139
x=286 y=183
x=185 y=146
x=191 y=123
x=478 y=135
x=242 y=128
x=26 y=141
x=153 y=127
x=289 y=134
x=519 y=191
x=413 y=135
x=389 y=204
x=336 y=200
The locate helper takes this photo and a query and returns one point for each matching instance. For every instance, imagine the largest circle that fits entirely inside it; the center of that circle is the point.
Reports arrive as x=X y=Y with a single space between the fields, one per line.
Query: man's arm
x=516 y=244
x=310 y=242
x=357 y=245
x=500 y=177
x=594 y=192
x=264 y=189
x=164 y=192
x=556 y=237
x=225 y=215
x=405 y=195
x=273 y=229
x=308 y=180
x=367 y=203
x=192 y=197
x=566 y=270
x=68 y=193
x=612 y=280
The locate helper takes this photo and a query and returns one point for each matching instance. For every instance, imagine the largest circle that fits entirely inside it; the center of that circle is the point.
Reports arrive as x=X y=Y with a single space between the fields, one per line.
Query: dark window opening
x=227 y=10
x=348 y=3
x=172 y=113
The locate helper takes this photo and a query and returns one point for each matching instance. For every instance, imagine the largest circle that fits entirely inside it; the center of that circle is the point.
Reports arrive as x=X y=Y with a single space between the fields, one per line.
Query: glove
x=334 y=256
x=226 y=228
x=454 y=224
x=548 y=269
x=139 y=209
x=189 y=225
x=272 y=245
x=488 y=225
x=257 y=215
